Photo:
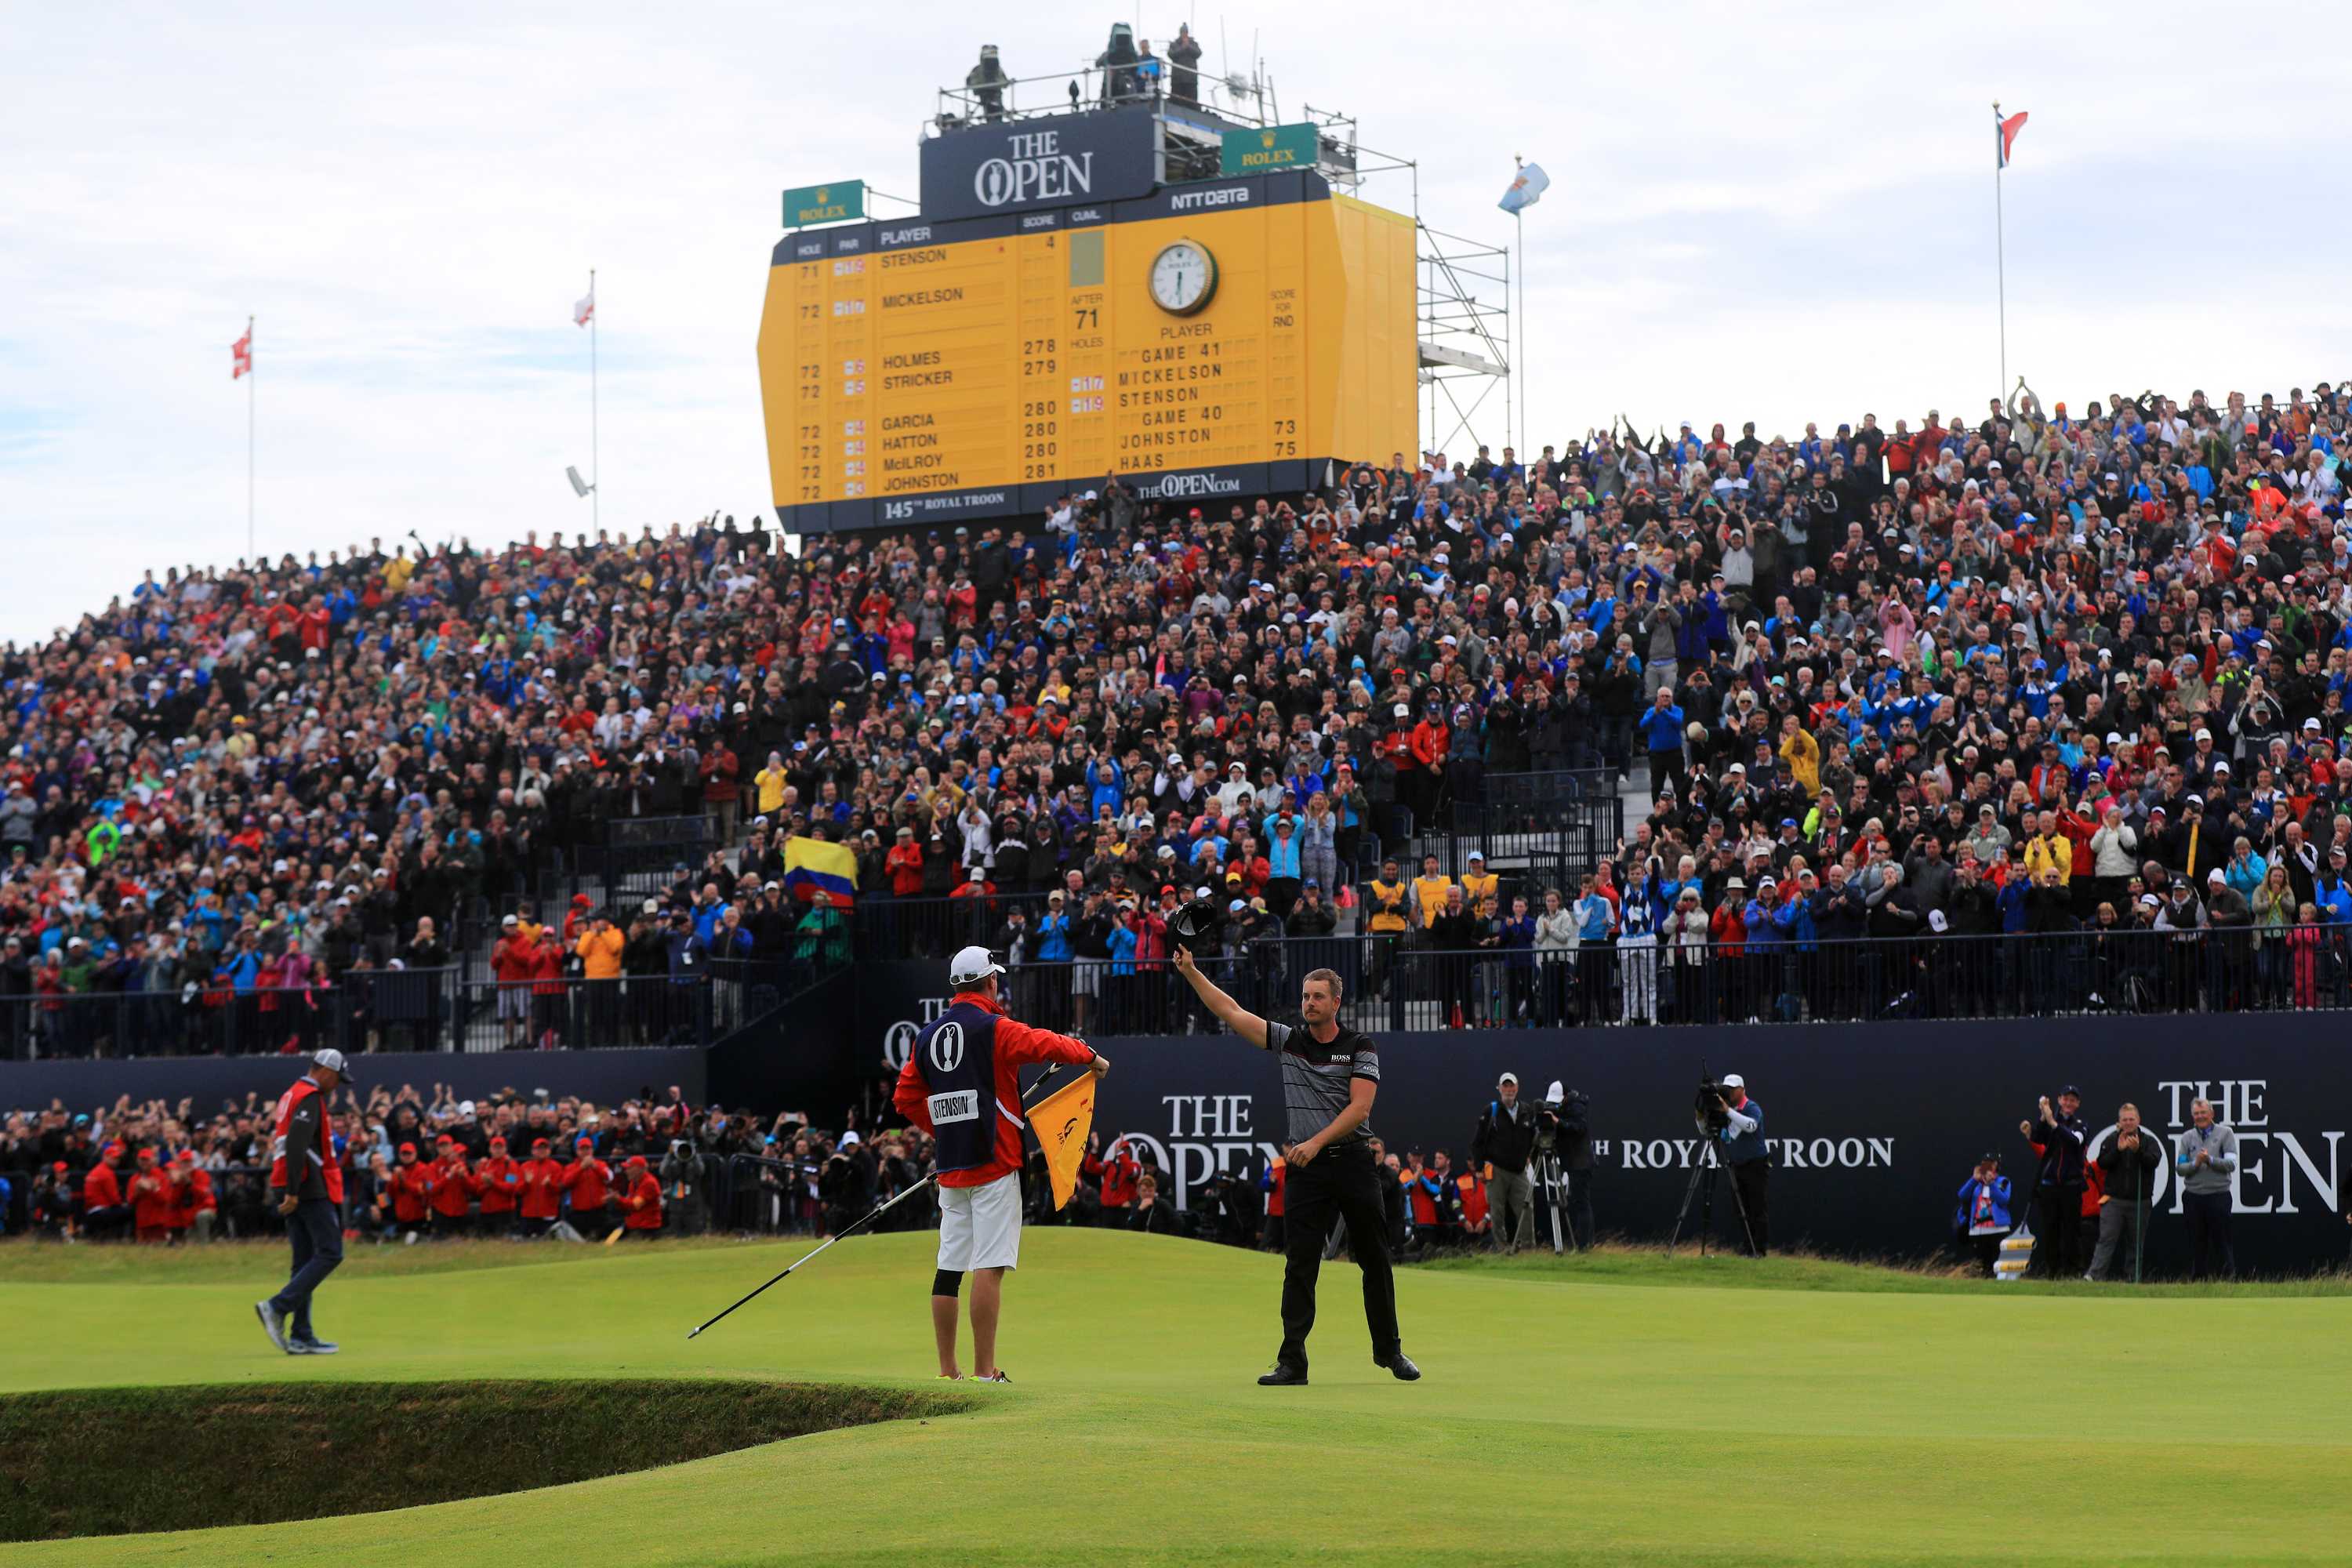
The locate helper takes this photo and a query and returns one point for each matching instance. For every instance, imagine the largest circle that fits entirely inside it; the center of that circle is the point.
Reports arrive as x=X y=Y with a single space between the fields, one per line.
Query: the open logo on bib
x=947 y=1047
x=957 y=1105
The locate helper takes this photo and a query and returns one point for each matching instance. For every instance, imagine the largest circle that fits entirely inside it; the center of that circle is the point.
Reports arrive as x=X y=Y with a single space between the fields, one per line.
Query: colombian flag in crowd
x=812 y=863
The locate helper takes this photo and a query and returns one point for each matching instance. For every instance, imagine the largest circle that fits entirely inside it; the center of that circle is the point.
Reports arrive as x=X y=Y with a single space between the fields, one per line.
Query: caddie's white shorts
x=980 y=1227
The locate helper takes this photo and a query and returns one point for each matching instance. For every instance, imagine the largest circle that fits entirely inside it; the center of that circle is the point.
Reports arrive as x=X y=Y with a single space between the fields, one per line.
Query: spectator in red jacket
x=547 y=990
x=454 y=1187
x=588 y=1183
x=511 y=967
x=542 y=1189
x=411 y=1191
x=103 y=1212
x=195 y=1207
x=905 y=865
x=150 y=1200
x=641 y=1201
x=721 y=770
x=500 y=1179
x=1119 y=1172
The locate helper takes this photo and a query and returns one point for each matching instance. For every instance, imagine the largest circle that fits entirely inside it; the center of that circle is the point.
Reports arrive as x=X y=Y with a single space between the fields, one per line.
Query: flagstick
x=2000 y=251
x=595 y=495
x=249 y=437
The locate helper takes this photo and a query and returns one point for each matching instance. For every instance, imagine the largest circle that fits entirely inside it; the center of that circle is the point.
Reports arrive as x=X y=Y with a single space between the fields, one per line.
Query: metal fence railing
x=1400 y=983
x=407 y=1010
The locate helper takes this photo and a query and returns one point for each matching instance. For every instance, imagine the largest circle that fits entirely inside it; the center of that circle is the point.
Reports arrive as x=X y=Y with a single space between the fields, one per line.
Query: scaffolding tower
x=1464 y=314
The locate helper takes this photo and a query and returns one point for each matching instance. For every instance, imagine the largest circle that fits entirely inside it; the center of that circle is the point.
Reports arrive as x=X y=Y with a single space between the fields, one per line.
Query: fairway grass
x=1626 y=1413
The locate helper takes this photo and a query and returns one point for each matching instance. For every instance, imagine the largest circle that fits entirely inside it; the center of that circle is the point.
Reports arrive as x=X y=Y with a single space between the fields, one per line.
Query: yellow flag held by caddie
x=1062 y=1122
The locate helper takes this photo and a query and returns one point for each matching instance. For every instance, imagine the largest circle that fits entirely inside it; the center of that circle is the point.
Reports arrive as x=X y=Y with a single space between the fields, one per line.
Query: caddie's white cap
x=971 y=966
x=333 y=1060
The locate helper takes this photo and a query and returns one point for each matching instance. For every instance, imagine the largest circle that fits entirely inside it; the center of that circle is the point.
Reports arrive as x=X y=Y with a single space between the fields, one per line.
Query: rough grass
x=109 y=1461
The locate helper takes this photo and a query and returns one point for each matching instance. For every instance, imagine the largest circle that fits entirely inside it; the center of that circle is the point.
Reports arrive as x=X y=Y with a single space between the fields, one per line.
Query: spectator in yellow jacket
x=1803 y=753
x=2050 y=850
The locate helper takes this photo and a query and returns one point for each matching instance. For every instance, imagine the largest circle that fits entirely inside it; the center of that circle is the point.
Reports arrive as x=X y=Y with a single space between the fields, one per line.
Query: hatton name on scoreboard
x=1216 y=338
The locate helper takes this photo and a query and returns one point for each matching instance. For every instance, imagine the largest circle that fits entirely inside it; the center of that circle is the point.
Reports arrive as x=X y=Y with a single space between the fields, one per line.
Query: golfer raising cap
x=961 y=1084
x=306 y=1176
x=1329 y=1074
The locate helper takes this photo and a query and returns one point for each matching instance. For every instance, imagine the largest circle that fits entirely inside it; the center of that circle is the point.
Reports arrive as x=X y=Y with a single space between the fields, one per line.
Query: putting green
x=1613 y=1422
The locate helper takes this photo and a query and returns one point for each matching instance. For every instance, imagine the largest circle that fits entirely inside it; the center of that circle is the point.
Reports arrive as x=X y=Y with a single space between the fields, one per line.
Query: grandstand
x=1887 y=701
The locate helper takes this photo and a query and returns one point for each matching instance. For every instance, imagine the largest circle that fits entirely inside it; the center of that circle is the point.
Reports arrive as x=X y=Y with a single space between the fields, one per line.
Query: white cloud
x=1756 y=212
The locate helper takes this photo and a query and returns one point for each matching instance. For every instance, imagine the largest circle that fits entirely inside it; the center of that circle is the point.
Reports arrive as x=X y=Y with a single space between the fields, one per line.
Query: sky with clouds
x=1765 y=213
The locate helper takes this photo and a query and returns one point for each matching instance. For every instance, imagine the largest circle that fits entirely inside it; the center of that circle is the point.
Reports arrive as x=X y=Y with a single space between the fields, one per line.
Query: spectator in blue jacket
x=1982 y=1217
x=1661 y=731
x=1053 y=931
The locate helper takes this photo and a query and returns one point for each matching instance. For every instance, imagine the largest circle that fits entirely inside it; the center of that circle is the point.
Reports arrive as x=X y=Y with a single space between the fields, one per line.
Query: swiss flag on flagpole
x=584 y=309
x=2005 y=133
x=240 y=355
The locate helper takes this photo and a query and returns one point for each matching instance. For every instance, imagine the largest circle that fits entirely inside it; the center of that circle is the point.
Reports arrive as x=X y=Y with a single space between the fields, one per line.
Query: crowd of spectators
x=430 y=1165
x=2046 y=670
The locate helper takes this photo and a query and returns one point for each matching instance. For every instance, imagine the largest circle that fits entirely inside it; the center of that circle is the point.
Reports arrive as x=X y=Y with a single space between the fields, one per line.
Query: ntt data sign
x=987 y=169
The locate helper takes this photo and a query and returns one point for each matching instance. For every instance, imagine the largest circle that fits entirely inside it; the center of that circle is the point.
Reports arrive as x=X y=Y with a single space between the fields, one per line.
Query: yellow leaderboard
x=1217 y=338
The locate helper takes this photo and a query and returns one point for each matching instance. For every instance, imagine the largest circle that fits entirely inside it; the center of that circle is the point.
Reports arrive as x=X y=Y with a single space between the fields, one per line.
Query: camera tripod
x=1704 y=1170
x=1551 y=1180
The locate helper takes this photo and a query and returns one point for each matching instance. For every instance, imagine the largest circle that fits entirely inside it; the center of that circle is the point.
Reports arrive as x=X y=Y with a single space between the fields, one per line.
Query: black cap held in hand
x=1193 y=926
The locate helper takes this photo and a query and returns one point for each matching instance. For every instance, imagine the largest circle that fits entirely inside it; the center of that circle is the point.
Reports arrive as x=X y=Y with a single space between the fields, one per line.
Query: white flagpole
x=2000 y=251
x=595 y=475
x=1520 y=343
x=249 y=548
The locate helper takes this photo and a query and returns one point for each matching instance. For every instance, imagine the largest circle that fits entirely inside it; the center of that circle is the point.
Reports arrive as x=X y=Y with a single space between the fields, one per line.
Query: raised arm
x=1241 y=1021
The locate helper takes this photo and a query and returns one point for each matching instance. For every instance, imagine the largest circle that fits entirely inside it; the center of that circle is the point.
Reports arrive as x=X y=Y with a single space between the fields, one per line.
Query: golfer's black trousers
x=1341 y=1182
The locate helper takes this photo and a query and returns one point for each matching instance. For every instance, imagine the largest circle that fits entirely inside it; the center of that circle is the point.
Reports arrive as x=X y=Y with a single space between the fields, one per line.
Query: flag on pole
x=240 y=355
x=584 y=309
x=2005 y=133
x=1062 y=1122
x=1528 y=187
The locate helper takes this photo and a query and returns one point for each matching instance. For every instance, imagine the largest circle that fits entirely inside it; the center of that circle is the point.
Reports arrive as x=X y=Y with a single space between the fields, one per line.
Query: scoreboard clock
x=1183 y=278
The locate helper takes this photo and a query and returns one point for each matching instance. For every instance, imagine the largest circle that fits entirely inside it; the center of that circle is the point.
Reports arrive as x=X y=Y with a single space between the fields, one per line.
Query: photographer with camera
x=681 y=1181
x=1564 y=1143
x=1504 y=1145
x=1737 y=1123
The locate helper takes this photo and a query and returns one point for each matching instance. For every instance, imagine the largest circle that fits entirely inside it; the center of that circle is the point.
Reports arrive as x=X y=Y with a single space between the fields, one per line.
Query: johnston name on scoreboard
x=1220 y=338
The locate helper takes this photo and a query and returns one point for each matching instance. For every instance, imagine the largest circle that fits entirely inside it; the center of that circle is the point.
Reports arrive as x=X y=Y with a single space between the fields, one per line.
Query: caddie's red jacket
x=1017 y=1044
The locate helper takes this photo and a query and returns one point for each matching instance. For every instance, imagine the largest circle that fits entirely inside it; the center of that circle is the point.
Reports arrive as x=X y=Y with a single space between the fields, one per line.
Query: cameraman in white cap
x=1744 y=1149
x=961 y=1084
